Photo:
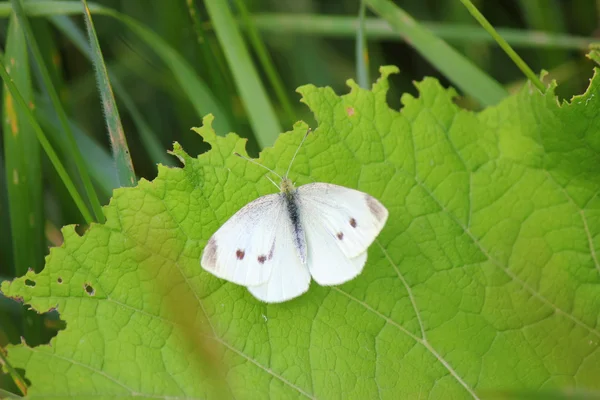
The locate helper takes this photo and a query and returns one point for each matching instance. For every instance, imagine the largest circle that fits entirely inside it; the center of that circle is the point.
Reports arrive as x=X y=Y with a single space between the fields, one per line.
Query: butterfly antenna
x=260 y=165
x=296 y=153
x=273 y=182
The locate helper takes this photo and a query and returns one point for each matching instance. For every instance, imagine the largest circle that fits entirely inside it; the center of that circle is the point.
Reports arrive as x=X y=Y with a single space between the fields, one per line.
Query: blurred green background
x=171 y=62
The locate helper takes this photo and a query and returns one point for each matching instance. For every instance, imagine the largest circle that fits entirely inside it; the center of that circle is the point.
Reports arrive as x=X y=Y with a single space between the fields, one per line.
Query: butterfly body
x=289 y=196
x=276 y=243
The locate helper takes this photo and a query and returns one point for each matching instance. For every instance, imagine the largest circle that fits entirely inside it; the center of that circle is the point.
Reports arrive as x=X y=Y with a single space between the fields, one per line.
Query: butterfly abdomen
x=293 y=212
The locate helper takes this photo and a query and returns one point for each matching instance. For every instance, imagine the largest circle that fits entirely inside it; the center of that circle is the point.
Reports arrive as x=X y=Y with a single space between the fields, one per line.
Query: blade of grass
x=97 y=159
x=8 y=395
x=77 y=157
x=544 y=15
x=376 y=28
x=23 y=163
x=362 y=51
x=212 y=61
x=6 y=244
x=504 y=45
x=149 y=138
x=197 y=92
x=17 y=378
x=50 y=152
x=118 y=141
x=253 y=94
x=157 y=152
x=462 y=72
x=266 y=61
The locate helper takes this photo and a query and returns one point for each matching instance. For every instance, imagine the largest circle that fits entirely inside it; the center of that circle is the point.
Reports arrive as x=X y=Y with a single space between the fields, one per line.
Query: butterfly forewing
x=243 y=248
x=350 y=217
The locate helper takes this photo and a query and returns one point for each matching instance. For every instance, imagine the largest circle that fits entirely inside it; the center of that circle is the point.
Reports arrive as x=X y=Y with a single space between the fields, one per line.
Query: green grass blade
x=98 y=161
x=120 y=150
x=376 y=28
x=149 y=137
x=77 y=157
x=266 y=61
x=22 y=163
x=545 y=15
x=197 y=92
x=6 y=244
x=362 y=51
x=253 y=94
x=504 y=45
x=156 y=151
x=44 y=8
x=462 y=72
x=50 y=152
x=17 y=378
x=213 y=63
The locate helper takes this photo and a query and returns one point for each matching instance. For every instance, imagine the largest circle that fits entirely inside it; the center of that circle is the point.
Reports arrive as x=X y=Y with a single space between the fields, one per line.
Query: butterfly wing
x=289 y=276
x=352 y=217
x=242 y=249
x=327 y=264
x=340 y=225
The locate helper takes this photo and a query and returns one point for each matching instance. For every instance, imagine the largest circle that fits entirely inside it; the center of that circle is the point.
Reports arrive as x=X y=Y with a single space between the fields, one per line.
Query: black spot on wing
x=340 y=235
x=262 y=258
x=240 y=254
x=353 y=222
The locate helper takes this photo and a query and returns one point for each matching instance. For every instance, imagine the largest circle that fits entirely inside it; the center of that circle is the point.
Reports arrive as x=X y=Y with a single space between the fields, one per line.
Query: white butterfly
x=274 y=244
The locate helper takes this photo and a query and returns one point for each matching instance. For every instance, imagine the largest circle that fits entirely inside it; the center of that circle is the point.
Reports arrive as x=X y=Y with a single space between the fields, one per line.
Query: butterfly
x=275 y=244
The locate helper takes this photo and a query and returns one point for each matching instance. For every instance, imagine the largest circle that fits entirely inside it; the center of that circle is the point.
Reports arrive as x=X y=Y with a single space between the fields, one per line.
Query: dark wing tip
x=376 y=208
x=209 y=257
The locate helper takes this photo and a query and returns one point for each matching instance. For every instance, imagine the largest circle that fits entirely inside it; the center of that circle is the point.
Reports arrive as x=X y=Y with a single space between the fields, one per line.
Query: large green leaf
x=485 y=278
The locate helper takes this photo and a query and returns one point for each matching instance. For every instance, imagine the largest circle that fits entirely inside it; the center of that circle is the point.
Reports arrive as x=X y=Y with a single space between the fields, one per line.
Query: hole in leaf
x=24 y=323
x=29 y=282
x=59 y=280
x=89 y=289
x=81 y=229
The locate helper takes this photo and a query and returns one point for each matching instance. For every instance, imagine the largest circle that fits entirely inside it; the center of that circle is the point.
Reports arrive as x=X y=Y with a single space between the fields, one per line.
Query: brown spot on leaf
x=240 y=254
x=350 y=111
x=262 y=259
x=340 y=235
x=353 y=222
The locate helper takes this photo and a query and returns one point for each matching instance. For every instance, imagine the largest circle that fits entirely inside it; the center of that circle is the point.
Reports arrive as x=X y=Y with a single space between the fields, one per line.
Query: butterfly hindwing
x=327 y=262
x=242 y=249
x=289 y=276
x=352 y=218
